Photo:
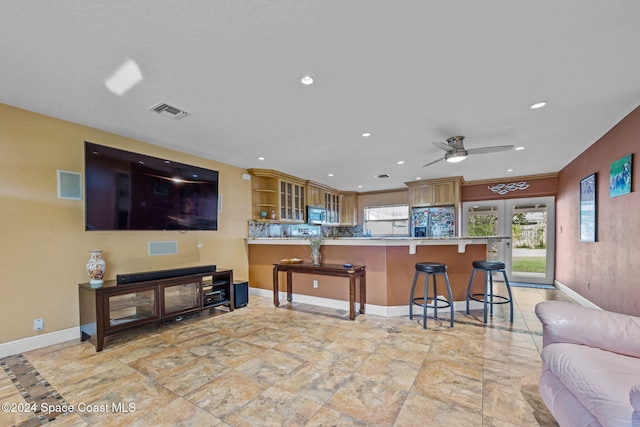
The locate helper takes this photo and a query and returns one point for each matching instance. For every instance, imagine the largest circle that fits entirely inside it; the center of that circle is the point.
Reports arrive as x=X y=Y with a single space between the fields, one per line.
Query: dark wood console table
x=113 y=308
x=324 y=270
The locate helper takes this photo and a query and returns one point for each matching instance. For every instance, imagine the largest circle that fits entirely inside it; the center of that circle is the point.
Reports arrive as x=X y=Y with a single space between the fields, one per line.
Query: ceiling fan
x=455 y=151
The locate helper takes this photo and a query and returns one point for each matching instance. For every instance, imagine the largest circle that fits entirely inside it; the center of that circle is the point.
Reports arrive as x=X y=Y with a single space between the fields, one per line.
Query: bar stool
x=430 y=269
x=488 y=297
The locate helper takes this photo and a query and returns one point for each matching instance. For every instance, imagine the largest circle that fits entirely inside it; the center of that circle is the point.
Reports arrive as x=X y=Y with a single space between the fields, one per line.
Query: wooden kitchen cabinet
x=278 y=195
x=332 y=206
x=435 y=192
x=315 y=194
x=348 y=209
x=292 y=201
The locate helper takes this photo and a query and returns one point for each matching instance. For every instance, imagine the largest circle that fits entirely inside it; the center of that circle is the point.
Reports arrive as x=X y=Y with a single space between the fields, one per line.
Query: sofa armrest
x=571 y=323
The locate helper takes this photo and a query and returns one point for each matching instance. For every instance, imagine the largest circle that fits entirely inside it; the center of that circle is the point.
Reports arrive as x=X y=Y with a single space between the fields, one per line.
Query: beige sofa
x=590 y=365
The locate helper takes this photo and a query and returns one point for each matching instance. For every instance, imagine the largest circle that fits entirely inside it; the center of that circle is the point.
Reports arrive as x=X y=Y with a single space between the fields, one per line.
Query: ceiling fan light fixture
x=455 y=157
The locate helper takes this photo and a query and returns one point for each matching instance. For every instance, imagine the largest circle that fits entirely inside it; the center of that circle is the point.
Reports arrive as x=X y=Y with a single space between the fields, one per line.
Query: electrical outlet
x=38 y=324
x=315 y=284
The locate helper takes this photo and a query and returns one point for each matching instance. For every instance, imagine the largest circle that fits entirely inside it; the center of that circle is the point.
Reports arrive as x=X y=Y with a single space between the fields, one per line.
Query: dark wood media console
x=114 y=308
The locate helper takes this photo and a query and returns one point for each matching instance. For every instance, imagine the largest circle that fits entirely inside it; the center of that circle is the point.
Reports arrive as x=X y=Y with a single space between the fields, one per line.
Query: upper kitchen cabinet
x=277 y=196
x=315 y=194
x=435 y=192
x=348 y=209
x=332 y=206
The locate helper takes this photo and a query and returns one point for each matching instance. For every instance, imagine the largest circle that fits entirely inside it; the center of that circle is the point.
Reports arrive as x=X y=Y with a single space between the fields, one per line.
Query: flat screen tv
x=131 y=191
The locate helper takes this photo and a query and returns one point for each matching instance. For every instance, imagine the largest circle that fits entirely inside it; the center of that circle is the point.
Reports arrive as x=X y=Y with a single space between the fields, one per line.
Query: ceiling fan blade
x=443 y=146
x=431 y=163
x=494 y=149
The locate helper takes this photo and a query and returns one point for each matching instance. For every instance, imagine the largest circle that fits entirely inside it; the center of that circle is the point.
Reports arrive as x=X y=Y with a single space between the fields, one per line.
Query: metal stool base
x=430 y=302
x=488 y=297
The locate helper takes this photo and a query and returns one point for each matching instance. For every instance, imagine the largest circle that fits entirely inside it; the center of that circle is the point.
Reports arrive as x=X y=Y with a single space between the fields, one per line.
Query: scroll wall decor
x=505 y=188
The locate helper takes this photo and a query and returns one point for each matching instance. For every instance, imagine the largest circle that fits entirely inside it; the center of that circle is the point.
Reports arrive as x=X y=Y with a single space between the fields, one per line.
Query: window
x=387 y=220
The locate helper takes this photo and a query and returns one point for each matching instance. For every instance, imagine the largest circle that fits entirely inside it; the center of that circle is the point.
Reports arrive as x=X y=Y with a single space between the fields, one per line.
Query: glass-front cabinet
x=127 y=308
x=292 y=201
x=180 y=297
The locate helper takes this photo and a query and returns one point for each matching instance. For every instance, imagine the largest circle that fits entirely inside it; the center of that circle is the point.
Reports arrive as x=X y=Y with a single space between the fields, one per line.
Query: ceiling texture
x=409 y=72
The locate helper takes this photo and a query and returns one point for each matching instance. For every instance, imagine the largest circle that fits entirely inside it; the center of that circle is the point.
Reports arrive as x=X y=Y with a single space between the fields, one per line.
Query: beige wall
x=610 y=265
x=44 y=246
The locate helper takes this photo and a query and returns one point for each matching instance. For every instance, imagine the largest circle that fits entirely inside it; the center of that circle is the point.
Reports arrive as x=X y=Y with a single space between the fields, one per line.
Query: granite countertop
x=410 y=242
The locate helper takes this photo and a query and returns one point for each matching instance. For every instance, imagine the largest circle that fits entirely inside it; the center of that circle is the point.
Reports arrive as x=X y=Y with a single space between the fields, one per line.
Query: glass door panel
x=532 y=236
x=485 y=219
x=131 y=307
x=529 y=254
x=181 y=297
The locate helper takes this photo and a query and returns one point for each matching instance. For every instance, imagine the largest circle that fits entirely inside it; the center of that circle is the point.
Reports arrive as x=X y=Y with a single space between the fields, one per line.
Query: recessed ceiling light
x=330 y=174
x=124 y=78
x=359 y=186
x=519 y=148
x=400 y=162
x=418 y=177
x=260 y=158
x=307 y=80
x=538 y=105
x=509 y=170
x=366 y=134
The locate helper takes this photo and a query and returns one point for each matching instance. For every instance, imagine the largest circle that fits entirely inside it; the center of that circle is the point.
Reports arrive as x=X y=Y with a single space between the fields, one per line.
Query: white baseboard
x=39 y=341
x=378 y=310
x=576 y=296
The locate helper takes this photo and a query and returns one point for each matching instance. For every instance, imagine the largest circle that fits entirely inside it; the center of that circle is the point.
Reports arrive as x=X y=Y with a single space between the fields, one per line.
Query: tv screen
x=130 y=191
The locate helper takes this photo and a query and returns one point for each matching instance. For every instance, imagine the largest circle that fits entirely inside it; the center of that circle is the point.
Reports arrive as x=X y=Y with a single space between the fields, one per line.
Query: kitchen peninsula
x=390 y=264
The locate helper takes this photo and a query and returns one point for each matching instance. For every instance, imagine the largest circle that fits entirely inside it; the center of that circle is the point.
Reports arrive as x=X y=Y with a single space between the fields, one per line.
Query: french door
x=530 y=222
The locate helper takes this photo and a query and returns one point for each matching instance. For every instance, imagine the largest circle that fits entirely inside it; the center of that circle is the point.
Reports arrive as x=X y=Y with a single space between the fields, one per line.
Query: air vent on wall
x=169 y=111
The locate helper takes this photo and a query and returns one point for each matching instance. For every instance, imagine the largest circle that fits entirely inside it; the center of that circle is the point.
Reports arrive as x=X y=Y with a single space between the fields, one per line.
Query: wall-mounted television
x=131 y=191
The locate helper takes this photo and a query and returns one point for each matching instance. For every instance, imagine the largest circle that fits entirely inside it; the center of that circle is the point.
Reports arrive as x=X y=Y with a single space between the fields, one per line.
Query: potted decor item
x=316 y=256
x=96 y=267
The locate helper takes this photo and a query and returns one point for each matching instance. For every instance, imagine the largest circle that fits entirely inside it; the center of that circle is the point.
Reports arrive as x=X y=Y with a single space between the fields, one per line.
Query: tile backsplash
x=280 y=230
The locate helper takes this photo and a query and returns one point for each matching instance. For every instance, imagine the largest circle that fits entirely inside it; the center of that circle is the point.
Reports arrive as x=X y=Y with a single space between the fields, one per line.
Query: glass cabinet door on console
x=127 y=308
x=180 y=297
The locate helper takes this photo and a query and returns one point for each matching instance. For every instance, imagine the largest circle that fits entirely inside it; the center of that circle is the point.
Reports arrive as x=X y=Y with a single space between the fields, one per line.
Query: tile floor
x=302 y=365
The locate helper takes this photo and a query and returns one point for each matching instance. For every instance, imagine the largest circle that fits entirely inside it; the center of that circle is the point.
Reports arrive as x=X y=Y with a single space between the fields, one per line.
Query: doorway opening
x=530 y=224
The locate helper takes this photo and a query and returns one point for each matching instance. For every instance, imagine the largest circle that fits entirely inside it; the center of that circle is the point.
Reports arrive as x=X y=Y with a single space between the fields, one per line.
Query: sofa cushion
x=599 y=379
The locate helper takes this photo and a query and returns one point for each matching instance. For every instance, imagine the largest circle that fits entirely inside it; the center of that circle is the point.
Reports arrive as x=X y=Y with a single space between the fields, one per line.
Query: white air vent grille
x=170 y=111
x=163 y=248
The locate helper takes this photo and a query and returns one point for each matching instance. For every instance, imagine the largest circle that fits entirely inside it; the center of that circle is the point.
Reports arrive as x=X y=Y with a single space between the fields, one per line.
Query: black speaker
x=240 y=294
x=123 y=279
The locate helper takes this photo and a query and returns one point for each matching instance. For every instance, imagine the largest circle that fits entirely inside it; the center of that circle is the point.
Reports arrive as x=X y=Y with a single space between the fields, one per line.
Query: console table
x=324 y=270
x=113 y=308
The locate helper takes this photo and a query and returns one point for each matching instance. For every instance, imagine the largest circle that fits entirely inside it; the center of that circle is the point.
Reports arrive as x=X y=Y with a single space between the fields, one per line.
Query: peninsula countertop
x=410 y=242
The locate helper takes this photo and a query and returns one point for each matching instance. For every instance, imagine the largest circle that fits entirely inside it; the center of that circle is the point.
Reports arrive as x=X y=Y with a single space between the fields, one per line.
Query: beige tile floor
x=303 y=365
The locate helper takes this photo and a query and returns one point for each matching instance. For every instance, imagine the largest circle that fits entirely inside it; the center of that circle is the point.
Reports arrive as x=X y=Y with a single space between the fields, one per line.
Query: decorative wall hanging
x=588 y=208
x=620 y=176
x=505 y=188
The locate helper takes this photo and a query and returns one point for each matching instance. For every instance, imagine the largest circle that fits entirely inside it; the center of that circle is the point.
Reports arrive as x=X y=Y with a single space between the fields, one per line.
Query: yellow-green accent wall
x=44 y=247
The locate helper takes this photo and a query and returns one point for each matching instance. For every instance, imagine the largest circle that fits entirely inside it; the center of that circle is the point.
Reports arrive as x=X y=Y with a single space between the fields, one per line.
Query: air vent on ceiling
x=170 y=111
x=383 y=175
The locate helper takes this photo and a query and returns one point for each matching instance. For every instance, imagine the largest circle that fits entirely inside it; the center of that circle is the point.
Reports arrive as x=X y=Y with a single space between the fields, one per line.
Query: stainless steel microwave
x=316 y=215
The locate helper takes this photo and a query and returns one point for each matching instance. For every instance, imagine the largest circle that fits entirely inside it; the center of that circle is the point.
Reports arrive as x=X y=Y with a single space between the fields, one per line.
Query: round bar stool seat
x=430 y=269
x=489 y=297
